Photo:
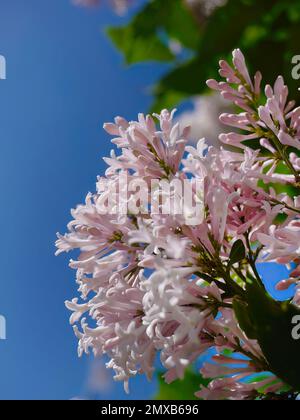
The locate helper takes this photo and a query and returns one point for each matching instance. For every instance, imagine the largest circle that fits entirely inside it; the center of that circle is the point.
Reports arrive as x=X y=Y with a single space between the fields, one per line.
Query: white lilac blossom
x=119 y=331
x=177 y=312
x=151 y=283
x=203 y=118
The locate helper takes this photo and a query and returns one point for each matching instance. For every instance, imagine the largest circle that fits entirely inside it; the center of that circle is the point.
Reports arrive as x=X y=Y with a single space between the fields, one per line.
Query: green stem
x=251 y=260
x=285 y=205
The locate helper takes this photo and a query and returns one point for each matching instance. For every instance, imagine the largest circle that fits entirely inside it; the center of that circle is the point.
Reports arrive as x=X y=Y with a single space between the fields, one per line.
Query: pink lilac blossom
x=234 y=372
x=152 y=284
x=177 y=312
x=282 y=245
x=275 y=129
x=233 y=389
x=272 y=126
x=147 y=151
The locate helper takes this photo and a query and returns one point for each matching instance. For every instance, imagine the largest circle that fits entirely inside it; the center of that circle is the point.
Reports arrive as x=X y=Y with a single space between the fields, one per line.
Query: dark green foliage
x=146 y=37
x=270 y=322
x=238 y=252
x=268 y=31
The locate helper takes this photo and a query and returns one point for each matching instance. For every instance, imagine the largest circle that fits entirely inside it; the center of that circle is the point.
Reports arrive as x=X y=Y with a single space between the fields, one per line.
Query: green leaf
x=205 y=277
x=267 y=32
x=219 y=37
x=180 y=24
x=167 y=100
x=238 y=252
x=181 y=389
x=272 y=325
x=241 y=310
x=138 y=48
x=148 y=35
x=186 y=80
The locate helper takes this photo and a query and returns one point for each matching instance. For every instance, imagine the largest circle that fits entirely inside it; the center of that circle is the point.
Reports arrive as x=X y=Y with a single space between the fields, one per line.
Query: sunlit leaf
x=181 y=389
x=148 y=35
x=137 y=48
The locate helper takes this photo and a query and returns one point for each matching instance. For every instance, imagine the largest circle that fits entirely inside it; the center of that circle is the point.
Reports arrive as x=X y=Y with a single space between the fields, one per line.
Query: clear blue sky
x=64 y=80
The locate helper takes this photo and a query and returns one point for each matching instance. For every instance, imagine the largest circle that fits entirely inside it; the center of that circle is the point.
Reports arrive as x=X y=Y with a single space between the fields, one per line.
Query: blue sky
x=64 y=79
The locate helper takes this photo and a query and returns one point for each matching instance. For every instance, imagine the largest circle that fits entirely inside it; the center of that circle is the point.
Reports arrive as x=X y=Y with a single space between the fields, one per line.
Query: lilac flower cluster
x=150 y=283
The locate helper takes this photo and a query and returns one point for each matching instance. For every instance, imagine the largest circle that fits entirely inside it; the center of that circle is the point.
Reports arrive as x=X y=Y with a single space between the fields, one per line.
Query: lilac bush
x=153 y=283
